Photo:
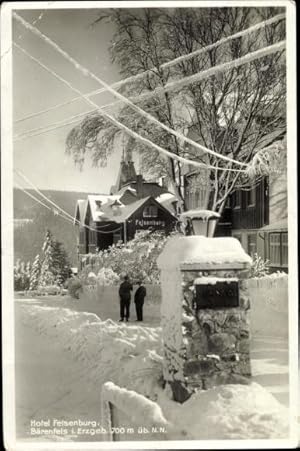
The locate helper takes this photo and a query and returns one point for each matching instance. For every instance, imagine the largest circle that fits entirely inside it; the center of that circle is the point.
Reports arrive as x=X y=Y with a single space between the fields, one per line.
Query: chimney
x=139 y=186
x=131 y=175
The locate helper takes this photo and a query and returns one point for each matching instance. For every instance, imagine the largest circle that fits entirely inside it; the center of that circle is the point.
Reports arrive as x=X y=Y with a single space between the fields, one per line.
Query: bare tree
x=233 y=112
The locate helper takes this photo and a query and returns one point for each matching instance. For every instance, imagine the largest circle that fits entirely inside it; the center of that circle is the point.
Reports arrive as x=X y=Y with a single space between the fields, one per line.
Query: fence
x=97 y=292
x=127 y=415
x=268 y=296
x=269 y=305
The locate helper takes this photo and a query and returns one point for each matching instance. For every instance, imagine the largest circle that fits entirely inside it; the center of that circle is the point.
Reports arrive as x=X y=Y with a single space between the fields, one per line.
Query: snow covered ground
x=64 y=353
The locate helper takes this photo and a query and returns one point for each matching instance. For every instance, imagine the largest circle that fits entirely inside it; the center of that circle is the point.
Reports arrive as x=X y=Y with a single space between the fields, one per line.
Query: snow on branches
x=267 y=161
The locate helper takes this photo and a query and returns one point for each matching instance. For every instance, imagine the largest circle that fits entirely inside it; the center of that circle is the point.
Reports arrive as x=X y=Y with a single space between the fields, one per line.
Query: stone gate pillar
x=205 y=313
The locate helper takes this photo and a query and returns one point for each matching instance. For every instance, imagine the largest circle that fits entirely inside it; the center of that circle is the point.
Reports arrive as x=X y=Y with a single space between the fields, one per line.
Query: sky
x=42 y=158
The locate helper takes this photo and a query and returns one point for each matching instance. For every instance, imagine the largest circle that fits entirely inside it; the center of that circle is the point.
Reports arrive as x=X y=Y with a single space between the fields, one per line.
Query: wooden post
x=112 y=422
x=125 y=232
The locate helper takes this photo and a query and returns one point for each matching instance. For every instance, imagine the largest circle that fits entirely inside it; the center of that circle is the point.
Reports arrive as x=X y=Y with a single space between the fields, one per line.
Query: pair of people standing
x=125 y=297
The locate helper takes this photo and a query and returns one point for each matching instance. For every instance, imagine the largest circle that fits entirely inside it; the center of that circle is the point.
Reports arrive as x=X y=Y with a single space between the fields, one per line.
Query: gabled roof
x=126 y=211
x=105 y=200
x=104 y=212
x=80 y=210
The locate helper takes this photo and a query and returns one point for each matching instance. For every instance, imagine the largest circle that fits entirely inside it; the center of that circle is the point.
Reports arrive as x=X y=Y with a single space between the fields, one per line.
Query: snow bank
x=227 y=412
x=124 y=354
x=131 y=357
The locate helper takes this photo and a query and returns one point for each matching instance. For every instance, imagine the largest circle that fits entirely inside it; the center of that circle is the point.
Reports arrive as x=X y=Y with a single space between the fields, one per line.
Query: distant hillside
x=29 y=237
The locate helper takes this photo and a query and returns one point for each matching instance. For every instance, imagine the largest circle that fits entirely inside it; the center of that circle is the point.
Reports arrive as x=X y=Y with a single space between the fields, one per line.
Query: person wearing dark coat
x=125 y=296
x=139 y=298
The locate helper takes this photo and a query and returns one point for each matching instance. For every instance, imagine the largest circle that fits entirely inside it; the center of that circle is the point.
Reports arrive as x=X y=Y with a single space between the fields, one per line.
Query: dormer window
x=116 y=204
x=150 y=211
x=98 y=204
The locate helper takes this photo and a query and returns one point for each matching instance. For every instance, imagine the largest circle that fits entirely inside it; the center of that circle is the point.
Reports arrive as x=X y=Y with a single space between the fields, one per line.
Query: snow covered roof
x=167 y=200
x=101 y=206
x=126 y=188
x=100 y=199
x=202 y=214
x=279 y=225
x=125 y=211
x=214 y=280
x=202 y=251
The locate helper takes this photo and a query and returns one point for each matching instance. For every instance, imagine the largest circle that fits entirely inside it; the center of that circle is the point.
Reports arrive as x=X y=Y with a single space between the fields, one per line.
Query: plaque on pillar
x=214 y=293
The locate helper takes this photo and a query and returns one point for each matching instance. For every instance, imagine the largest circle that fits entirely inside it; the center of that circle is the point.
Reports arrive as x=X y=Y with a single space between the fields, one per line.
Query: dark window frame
x=281 y=263
x=238 y=200
x=153 y=211
x=251 y=235
x=251 y=197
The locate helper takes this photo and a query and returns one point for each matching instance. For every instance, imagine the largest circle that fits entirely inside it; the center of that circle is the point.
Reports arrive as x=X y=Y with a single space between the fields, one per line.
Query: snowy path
x=50 y=383
x=103 y=310
x=269 y=360
x=47 y=382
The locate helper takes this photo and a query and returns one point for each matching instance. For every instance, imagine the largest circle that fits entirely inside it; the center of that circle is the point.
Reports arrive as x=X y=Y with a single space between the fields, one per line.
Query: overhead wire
x=226 y=39
x=127 y=129
x=175 y=61
x=139 y=110
x=247 y=58
x=235 y=63
x=40 y=202
x=199 y=76
x=53 y=126
x=40 y=16
x=63 y=213
x=187 y=80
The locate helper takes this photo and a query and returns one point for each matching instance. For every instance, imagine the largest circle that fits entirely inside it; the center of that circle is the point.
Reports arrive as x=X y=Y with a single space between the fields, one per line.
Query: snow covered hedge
x=137 y=258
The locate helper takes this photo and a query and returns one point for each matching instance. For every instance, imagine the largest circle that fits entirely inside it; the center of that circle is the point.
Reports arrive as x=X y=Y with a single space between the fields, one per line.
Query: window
x=252 y=244
x=202 y=197
x=81 y=235
x=150 y=211
x=237 y=199
x=228 y=203
x=92 y=237
x=278 y=248
x=284 y=254
x=275 y=248
x=197 y=194
x=251 y=197
x=117 y=237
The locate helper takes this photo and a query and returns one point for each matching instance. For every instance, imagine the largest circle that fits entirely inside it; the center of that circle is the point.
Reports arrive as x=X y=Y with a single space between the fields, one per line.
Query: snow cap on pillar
x=190 y=250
